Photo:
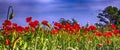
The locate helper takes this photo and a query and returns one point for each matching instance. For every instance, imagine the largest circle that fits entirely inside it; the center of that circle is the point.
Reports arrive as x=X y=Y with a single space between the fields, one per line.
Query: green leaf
x=25 y=45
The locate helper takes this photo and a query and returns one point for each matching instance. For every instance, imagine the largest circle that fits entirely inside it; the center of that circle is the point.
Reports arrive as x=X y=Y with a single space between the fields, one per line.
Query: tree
x=110 y=15
x=64 y=21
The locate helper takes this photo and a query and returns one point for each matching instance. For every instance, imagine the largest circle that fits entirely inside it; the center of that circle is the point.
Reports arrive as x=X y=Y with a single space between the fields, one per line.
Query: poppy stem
x=10 y=7
x=35 y=42
x=15 y=42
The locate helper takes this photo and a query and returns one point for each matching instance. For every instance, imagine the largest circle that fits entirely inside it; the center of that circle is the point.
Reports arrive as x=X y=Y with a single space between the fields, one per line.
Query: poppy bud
x=7 y=42
x=11 y=15
x=100 y=45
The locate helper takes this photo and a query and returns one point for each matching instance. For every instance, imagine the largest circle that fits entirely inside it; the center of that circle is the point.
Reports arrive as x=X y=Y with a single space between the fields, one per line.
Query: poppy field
x=43 y=36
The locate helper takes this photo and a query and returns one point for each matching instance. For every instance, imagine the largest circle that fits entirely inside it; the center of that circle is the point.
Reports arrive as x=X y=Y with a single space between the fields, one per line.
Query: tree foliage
x=64 y=21
x=110 y=15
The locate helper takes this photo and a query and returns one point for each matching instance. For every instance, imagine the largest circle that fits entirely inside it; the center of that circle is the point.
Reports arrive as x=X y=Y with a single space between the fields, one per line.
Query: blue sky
x=52 y=10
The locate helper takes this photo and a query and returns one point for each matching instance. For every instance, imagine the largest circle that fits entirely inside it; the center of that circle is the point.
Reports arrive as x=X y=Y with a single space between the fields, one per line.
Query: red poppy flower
x=98 y=34
x=7 y=42
x=14 y=25
x=7 y=30
x=6 y=33
x=7 y=23
x=45 y=22
x=76 y=33
x=69 y=32
x=87 y=29
x=54 y=31
x=58 y=25
x=26 y=28
x=92 y=27
x=107 y=34
x=28 y=19
x=107 y=42
x=34 y=24
x=83 y=27
x=112 y=26
x=116 y=32
x=67 y=27
x=100 y=45
x=76 y=26
x=19 y=29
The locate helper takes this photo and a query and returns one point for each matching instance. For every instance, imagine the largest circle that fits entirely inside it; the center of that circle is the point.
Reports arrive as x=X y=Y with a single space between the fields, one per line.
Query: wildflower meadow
x=44 y=36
